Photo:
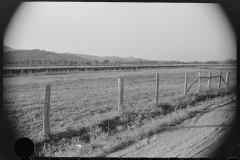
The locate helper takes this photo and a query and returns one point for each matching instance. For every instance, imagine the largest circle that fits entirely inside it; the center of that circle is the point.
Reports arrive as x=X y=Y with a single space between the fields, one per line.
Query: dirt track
x=197 y=137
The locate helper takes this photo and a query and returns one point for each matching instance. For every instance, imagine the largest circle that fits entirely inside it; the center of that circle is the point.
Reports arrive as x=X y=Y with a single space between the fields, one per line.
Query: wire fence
x=121 y=109
x=226 y=81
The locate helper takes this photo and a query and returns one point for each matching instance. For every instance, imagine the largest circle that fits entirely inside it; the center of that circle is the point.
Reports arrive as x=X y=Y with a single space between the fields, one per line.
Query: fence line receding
x=46 y=108
x=221 y=79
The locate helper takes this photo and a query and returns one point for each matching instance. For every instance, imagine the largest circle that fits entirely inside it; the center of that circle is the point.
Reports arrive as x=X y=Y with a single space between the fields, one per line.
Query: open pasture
x=82 y=99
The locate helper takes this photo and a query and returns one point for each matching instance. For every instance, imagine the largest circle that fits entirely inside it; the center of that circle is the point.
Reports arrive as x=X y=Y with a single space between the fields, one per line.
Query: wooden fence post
x=46 y=121
x=120 y=96
x=209 y=80
x=226 y=80
x=220 y=78
x=185 y=86
x=199 y=82
x=157 y=86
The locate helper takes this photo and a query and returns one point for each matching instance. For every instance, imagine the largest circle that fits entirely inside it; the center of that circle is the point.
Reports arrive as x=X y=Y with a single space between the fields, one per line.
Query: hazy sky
x=154 y=31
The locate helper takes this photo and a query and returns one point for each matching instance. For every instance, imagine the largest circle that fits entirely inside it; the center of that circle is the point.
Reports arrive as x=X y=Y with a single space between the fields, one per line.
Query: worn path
x=200 y=136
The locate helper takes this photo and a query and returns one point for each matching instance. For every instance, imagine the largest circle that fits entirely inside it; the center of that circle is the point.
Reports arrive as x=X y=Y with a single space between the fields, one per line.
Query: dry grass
x=86 y=104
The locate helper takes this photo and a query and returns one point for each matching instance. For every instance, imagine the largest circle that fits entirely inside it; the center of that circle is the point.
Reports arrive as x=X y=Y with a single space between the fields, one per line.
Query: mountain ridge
x=6 y=48
x=10 y=52
x=42 y=54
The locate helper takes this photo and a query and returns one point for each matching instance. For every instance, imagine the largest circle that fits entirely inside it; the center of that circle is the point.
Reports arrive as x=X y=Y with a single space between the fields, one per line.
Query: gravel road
x=197 y=137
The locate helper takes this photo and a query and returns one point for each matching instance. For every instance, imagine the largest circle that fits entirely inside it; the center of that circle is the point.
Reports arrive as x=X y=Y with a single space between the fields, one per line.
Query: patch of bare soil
x=200 y=136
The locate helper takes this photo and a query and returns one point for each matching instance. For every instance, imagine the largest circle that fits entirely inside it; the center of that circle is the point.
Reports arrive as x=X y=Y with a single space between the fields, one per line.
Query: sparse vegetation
x=84 y=108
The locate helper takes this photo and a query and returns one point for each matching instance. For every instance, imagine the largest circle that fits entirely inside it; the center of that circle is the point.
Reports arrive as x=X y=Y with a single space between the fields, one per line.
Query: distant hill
x=110 y=58
x=6 y=48
x=133 y=59
x=90 y=57
x=115 y=58
x=11 y=53
x=228 y=61
x=231 y=61
x=41 y=54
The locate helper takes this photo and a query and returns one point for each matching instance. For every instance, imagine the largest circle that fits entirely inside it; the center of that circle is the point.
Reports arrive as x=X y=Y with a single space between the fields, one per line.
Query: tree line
x=57 y=62
x=49 y=62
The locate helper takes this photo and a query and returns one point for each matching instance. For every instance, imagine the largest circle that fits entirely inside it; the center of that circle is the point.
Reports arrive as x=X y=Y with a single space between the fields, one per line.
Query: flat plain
x=88 y=98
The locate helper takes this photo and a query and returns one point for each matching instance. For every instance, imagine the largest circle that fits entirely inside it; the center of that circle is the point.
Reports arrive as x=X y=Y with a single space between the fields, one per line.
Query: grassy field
x=62 y=72
x=86 y=104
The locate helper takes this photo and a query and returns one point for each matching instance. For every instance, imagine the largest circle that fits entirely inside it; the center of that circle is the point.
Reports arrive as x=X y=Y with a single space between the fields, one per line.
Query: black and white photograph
x=121 y=79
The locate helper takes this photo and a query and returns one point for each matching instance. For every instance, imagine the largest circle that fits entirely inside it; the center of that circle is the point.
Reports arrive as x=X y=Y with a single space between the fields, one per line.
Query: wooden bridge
x=39 y=69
